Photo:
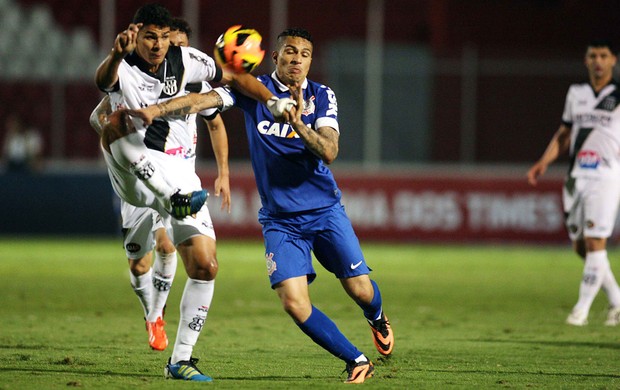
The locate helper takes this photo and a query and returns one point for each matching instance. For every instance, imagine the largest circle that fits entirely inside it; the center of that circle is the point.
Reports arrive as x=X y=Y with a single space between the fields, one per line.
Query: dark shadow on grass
x=147 y=375
x=79 y=372
x=586 y=344
x=562 y=374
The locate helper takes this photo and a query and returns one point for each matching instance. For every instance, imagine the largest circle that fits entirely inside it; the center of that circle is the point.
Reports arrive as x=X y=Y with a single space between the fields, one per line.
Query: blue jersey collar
x=283 y=88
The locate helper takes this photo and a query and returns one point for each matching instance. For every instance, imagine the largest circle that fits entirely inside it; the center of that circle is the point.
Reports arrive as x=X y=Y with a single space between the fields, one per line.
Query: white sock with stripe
x=195 y=303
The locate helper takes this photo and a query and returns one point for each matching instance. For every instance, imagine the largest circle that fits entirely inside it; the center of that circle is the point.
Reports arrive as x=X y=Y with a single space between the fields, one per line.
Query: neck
x=600 y=83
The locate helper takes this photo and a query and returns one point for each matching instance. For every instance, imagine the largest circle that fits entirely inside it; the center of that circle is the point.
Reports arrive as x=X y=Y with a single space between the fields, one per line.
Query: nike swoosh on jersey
x=354 y=266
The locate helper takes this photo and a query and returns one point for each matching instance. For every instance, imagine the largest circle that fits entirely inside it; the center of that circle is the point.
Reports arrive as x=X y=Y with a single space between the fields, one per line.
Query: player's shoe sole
x=158 y=340
x=185 y=370
x=382 y=335
x=359 y=372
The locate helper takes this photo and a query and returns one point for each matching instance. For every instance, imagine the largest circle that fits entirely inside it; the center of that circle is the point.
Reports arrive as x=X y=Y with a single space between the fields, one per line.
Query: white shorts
x=141 y=223
x=592 y=207
x=178 y=172
x=140 y=208
x=139 y=226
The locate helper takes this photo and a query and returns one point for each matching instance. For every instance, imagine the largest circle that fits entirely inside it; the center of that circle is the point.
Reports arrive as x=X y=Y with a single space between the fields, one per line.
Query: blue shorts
x=290 y=240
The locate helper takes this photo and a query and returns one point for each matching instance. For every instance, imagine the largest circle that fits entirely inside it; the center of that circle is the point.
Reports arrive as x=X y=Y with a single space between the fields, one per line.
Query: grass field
x=464 y=317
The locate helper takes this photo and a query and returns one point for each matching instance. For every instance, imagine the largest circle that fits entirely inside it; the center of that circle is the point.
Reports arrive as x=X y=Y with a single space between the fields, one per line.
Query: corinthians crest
x=170 y=86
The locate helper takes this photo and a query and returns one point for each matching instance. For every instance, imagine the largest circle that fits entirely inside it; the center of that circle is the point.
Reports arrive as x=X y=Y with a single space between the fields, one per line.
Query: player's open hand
x=535 y=172
x=222 y=188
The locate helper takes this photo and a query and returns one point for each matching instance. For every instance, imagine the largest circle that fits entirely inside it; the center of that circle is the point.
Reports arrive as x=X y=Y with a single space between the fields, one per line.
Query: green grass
x=464 y=317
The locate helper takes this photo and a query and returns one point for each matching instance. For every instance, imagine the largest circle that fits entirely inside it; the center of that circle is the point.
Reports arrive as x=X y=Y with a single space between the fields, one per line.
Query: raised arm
x=106 y=74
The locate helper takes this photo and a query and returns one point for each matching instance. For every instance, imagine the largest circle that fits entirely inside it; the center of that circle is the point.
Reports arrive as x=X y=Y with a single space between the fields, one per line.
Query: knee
x=204 y=268
x=139 y=267
x=164 y=247
x=595 y=244
x=360 y=289
x=298 y=310
x=118 y=126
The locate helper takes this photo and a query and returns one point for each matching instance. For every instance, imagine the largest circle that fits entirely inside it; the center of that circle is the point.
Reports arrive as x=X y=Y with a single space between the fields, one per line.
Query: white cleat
x=576 y=318
x=613 y=316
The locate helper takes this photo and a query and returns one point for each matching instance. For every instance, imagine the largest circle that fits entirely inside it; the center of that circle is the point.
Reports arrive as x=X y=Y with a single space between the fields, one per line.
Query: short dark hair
x=602 y=43
x=296 y=32
x=181 y=25
x=153 y=14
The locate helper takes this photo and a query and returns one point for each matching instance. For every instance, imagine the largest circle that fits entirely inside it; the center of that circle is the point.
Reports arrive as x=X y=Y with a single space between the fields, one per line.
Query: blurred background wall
x=425 y=88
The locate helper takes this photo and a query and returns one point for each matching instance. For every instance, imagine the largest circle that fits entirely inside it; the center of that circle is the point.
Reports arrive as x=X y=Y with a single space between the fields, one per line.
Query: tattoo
x=190 y=104
x=323 y=142
x=219 y=101
x=169 y=108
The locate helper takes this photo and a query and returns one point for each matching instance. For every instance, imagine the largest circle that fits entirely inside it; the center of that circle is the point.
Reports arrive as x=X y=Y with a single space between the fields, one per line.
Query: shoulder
x=193 y=57
x=579 y=89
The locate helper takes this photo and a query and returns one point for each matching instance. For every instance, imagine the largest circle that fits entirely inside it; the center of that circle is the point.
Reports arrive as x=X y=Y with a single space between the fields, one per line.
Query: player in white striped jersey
x=154 y=167
x=143 y=229
x=590 y=132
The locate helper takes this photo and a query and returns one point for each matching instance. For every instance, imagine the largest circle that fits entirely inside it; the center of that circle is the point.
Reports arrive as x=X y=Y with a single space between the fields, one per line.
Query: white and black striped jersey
x=137 y=88
x=586 y=111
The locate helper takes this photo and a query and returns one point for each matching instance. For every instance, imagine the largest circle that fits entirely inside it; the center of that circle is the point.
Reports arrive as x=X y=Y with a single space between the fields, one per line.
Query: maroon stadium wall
x=422 y=207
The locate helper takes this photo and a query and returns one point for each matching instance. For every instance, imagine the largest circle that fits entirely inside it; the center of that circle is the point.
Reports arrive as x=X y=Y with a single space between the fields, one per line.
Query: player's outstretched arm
x=559 y=144
x=184 y=105
x=194 y=102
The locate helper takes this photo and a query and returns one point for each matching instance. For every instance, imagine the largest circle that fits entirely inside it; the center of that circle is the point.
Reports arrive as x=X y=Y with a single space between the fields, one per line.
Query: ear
x=274 y=57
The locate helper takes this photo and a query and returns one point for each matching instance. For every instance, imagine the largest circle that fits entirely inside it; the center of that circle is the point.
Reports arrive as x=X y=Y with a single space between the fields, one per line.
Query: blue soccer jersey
x=289 y=177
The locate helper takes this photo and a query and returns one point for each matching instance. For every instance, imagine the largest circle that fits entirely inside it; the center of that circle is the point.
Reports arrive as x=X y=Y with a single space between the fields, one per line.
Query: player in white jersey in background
x=590 y=132
x=143 y=229
x=154 y=167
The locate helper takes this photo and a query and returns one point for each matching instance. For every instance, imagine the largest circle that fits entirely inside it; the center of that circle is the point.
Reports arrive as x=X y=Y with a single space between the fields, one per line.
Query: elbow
x=330 y=156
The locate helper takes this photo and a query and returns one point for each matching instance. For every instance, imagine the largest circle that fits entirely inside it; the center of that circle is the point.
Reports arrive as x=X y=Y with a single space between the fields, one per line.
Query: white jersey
x=137 y=88
x=595 y=130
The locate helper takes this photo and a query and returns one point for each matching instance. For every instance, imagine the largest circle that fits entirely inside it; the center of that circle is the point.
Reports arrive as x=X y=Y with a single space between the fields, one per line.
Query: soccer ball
x=240 y=49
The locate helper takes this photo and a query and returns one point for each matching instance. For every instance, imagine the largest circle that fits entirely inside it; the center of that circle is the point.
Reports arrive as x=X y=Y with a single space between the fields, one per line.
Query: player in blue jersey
x=302 y=213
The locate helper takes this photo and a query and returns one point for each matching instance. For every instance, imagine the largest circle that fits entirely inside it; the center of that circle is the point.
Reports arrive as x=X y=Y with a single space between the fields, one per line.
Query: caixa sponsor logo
x=588 y=159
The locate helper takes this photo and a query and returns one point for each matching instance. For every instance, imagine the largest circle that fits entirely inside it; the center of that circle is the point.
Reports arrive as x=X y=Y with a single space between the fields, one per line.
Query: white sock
x=195 y=305
x=611 y=288
x=594 y=270
x=164 y=269
x=143 y=287
x=131 y=152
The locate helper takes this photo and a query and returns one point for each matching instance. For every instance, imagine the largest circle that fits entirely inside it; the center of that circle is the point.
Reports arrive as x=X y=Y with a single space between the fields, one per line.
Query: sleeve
x=327 y=109
x=209 y=113
x=227 y=97
x=199 y=66
x=567 y=115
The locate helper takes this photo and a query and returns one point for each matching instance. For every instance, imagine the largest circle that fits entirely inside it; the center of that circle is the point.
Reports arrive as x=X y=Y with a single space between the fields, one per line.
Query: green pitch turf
x=464 y=317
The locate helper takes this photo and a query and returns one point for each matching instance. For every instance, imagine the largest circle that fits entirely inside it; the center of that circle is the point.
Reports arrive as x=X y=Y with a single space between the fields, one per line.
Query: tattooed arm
x=323 y=142
x=188 y=104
